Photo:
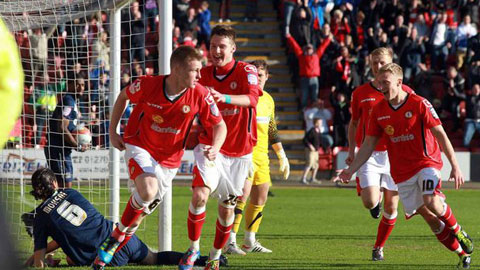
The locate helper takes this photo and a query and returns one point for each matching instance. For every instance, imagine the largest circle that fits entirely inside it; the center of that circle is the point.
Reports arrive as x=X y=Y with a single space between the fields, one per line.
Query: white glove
x=284 y=165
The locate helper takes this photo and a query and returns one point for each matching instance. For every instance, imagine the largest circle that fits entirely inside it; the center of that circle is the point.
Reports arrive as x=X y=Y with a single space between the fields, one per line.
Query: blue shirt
x=72 y=221
x=66 y=108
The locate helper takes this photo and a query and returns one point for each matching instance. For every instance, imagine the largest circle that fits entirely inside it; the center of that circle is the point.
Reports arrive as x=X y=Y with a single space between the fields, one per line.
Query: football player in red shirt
x=155 y=137
x=413 y=133
x=374 y=176
x=234 y=86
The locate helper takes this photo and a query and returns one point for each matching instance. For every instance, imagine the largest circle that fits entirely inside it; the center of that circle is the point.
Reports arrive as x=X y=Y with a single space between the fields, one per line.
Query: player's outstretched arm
x=362 y=156
x=238 y=100
x=352 y=130
x=118 y=109
x=442 y=138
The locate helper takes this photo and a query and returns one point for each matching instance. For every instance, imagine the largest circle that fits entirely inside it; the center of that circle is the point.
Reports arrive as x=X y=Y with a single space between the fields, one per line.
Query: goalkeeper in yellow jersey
x=258 y=185
x=11 y=83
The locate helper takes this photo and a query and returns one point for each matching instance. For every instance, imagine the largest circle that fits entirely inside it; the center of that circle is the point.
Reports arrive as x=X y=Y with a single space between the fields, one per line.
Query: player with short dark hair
x=79 y=229
x=234 y=87
x=156 y=135
x=414 y=135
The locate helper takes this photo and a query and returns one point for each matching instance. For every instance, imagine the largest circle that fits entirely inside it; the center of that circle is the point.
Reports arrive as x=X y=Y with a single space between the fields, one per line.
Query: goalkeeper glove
x=284 y=165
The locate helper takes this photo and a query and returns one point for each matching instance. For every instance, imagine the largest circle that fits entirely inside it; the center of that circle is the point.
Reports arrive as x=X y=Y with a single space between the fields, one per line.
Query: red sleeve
x=407 y=89
x=355 y=107
x=209 y=115
x=294 y=45
x=374 y=129
x=323 y=46
x=135 y=90
x=339 y=66
x=347 y=28
x=254 y=91
x=430 y=116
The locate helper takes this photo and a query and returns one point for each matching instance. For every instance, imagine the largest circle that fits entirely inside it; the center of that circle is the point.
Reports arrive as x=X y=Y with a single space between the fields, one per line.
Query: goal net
x=65 y=47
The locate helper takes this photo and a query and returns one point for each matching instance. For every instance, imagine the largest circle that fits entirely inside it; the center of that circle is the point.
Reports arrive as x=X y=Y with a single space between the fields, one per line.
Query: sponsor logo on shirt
x=156 y=128
x=383 y=117
x=252 y=79
x=186 y=109
x=402 y=138
x=154 y=105
x=209 y=99
x=228 y=112
x=233 y=85
x=157 y=118
x=60 y=196
x=389 y=130
x=408 y=114
x=367 y=100
x=135 y=87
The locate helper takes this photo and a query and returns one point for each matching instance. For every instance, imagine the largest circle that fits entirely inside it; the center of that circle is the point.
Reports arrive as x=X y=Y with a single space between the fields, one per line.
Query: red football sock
x=195 y=225
x=385 y=227
x=221 y=235
x=128 y=235
x=447 y=239
x=131 y=213
x=449 y=219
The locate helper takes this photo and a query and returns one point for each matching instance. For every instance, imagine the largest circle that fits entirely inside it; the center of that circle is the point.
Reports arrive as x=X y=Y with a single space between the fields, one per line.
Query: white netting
x=64 y=44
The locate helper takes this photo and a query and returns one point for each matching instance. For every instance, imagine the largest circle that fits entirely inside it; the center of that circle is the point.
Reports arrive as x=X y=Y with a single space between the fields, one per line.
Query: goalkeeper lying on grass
x=78 y=229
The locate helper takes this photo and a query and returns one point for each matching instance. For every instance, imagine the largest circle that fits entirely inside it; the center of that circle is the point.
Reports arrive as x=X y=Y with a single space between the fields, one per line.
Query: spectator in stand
x=224 y=11
x=309 y=63
x=177 y=38
x=75 y=42
x=422 y=27
x=358 y=31
x=390 y=11
x=341 y=117
x=300 y=27
x=340 y=26
x=190 y=22
x=439 y=42
x=204 y=16
x=473 y=48
x=470 y=7
x=317 y=8
x=464 y=31
x=455 y=85
x=288 y=8
x=328 y=57
x=137 y=45
x=151 y=13
x=318 y=110
x=180 y=8
x=251 y=11
x=473 y=74
x=399 y=30
x=372 y=10
x=411 y=56
x=38 y=51
x=312 y=142
x=101 y=50
x=188 y=39
x=343 y=68
x=472 y=120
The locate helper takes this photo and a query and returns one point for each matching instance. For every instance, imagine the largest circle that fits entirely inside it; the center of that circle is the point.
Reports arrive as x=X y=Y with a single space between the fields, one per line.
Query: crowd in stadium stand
x=327 y=41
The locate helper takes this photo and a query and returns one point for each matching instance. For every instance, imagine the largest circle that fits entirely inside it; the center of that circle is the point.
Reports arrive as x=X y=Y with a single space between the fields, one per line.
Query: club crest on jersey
x=389 y=130
x=157 y=118
x=408 y=115
x=135 y=87
x=186 y=109
x=233 y=85
x=250 y=68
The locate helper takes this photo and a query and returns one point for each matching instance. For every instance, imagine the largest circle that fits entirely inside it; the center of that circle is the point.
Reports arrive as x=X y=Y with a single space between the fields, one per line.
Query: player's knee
x=390 y=209
x=142 y=201
x=149 y=189
x=369 y=204
x=199 y=198
x=433 y=204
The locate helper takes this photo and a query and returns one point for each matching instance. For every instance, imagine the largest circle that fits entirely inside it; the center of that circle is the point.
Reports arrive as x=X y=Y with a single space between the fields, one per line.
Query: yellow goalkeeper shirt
x=11 y=83
x=266 y=126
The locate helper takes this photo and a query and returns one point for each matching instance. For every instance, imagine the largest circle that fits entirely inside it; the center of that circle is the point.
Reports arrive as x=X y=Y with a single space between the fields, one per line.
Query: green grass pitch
x=321 y=228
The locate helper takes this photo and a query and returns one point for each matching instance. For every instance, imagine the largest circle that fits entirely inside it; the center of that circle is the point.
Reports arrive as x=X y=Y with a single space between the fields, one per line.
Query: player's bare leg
x=386 y=224
x=371 y=198
x=196 y=219
x=253 y=218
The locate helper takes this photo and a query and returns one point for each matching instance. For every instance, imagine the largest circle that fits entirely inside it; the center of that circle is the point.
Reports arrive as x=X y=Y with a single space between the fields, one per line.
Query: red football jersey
x=241 y=121
x=160 y=125
x=364 y=98
x=411 y=145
